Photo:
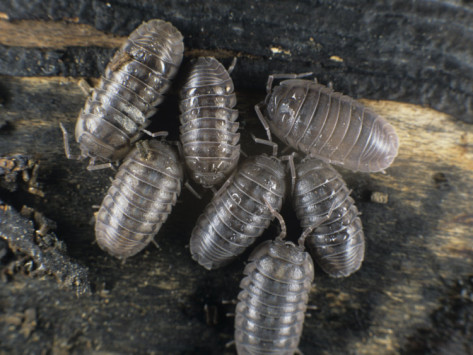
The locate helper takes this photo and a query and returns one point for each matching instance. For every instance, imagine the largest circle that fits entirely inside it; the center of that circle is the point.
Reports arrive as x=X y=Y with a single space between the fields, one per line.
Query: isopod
x=140 y=199
x=237 y=214
x=338 y=244
x=208 y=122
x=270 y=312
x=317 y=121
x=119 y=108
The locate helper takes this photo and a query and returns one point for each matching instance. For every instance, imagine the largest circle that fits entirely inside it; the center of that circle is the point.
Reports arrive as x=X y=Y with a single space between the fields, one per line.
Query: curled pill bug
x=208 y=122
x=338 y=244
x=118 y=110
x=237 y=215
x=141 y=197
x=325 y=124
x=271 y=307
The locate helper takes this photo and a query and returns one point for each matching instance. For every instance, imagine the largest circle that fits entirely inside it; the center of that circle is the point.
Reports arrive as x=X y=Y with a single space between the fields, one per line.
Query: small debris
x=38 y=250
x=211 y=314
x=336 y=58
x=279 y=50
x=11 y=167
x=29 y=322
x=379 y=197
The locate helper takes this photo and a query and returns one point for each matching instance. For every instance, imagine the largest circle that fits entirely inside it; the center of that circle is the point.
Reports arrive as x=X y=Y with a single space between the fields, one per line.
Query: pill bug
x=338 y=244
x=134 y=82
x=271 y=306
x=237 y=214
x=208 y=128
x=140 y=199
x=315 y=120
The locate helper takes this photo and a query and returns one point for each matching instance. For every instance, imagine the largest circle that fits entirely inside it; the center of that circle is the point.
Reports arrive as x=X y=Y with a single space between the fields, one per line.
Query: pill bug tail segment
x=238 y=215
x=134 y=83
x=141 y=197
x=270 y=314
x=208 y=129
x=333 y=230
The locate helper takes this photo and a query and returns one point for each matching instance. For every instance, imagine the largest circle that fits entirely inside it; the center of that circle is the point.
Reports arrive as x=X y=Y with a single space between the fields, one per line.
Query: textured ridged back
x=269 y=316
x=238 y=215
x=338 y=244
x=133 y=84
x=330 y=126
x=139 y=201
x=208 y=130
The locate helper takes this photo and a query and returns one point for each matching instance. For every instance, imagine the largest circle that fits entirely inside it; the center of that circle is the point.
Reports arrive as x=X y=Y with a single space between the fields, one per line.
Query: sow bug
x=338 y=244
x=237 y=214
x=140 y=199
x=314 y=119
x=208 y=127
x=119 y=108
x=270 y=313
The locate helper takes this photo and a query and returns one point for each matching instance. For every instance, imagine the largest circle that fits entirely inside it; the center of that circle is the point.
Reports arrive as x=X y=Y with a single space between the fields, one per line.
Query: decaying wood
x=416 y=280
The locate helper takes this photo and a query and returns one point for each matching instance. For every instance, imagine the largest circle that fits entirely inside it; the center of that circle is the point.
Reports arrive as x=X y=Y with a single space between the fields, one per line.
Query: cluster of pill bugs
x=323 y=126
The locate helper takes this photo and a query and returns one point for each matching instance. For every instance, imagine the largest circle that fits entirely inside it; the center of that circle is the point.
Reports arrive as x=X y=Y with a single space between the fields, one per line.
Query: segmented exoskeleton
x=338 y=244
x=134 y=82
x=208 y=127
x=314 y=119
x=270 y=313
x=237 y=214
x=140 y=199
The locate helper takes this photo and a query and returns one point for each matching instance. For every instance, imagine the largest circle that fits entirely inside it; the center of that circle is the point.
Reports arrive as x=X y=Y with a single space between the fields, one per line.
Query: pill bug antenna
x=67 y=148
x=266 y=142
x=161 y=134
x=269 y=83
x=276 y=214
x=311 y=228
x=290 y=162
x=262 y=119
x=232 y=65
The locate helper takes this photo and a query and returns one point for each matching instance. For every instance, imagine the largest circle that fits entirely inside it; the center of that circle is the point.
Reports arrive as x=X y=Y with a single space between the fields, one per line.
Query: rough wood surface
x=414 y=292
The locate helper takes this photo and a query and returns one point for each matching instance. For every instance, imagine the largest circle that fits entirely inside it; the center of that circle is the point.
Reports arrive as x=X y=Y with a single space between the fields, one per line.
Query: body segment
x=208 y=127
x=238 y=215
x=140 y=199
x=338 y=244
x=134 y=82
x=317 y=121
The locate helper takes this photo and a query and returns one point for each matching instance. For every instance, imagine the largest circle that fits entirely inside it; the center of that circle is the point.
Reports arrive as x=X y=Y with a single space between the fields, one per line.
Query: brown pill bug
x=237 y=215
x=317 y=121
x=119 y=108
x=140 y=199
x=271 y=306
x=338 y=244
x=208 y=122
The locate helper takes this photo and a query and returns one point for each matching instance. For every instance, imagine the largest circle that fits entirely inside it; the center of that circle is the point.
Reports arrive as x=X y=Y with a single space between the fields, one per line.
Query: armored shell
x=133 y=84
x=140 y=199
x=238 y=215
x=338 y=244
x=270 y=313
x=314 y=119
x=208 y=127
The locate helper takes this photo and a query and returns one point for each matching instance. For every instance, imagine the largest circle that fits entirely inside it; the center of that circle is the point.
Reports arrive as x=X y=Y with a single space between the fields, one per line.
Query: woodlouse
x=237 y=214
x=338 y=244
x=270 y=313
x=140 y=199
x=314 y=119
x=208 y=127
x=119 y=108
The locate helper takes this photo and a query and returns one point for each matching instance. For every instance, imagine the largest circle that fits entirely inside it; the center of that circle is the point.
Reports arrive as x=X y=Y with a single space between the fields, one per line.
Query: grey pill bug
x=141 y=197
x=271 y=306
x=237 y=215
x=338 y=244
x=119 y=108
x=317 y=121
x=208 y=122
